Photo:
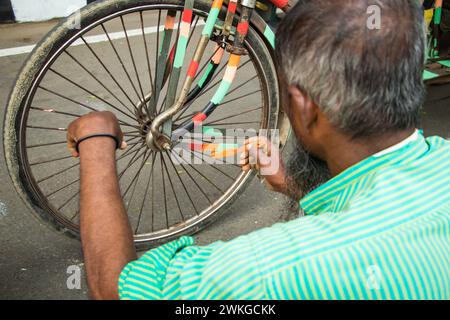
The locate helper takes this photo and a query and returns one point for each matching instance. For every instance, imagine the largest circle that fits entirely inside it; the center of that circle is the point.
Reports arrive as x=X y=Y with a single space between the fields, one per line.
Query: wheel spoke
x=58 y=173
x=144 y=159
x=132 y=59
x=237 y=115
x=106 y=69
x=46 y=144
x=171 y=185
x=145 y=194
x=207 y=179
x=98 y=81
x=47 y=161
x=76 y=214
x=47 y=128
x=131 y=162
x=219 y=81
x=53 y=111
x=90 y=92
x=164 y=191
x=243 y=83
x=230 y=123
x=67 y=98
x=68 y=201
x=214 y=167
x=206 y=89
x=146 y=53
x=182 y=183
x=194 y=180
x=240 y=97
x=62 y=188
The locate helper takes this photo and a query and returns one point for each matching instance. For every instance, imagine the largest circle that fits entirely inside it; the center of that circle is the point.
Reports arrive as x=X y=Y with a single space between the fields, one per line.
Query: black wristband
x=98 y=136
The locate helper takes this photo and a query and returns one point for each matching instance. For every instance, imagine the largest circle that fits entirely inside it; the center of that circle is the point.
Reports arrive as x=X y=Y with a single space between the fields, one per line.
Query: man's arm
x=106 y=235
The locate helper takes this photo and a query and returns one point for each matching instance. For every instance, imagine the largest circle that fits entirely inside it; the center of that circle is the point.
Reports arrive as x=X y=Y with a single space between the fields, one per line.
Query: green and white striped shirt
x=379 y=230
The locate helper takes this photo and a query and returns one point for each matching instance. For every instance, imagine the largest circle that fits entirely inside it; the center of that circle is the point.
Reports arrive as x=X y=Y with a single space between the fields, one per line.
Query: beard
x=305 y=173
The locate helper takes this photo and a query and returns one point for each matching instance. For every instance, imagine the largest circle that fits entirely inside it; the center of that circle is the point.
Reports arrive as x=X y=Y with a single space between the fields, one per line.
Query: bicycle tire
x=39 y=57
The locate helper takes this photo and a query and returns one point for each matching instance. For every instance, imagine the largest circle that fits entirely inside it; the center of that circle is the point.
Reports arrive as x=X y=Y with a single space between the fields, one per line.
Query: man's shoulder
x=439 y=144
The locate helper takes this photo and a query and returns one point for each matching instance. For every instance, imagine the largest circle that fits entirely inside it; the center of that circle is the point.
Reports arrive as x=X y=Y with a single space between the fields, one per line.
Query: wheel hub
x=157 y=143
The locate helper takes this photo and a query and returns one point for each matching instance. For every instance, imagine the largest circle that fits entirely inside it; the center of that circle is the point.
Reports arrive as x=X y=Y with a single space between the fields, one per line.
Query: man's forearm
x=105 y=231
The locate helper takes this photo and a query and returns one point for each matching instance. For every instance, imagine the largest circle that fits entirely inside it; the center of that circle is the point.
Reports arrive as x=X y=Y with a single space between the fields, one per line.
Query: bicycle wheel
x=110 y=63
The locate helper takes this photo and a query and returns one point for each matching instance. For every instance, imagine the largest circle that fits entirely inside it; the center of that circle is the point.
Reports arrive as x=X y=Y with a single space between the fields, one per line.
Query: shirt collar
x=321 y=198
x=399 y=145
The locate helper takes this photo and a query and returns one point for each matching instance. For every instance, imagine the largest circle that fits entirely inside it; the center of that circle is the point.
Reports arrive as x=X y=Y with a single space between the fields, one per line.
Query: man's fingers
x=123 y=145
x=73 y=151
x=71 y=144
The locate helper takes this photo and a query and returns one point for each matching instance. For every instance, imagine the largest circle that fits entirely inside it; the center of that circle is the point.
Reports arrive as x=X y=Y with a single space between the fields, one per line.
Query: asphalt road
x=34 y=259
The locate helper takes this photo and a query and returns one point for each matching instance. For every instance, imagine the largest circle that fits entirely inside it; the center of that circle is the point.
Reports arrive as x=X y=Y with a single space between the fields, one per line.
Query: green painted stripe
x=181 y=52
x=427 y=75
x=213 y=132
x=270 y=36
x=437 y=16
x=163 y=36
x=445 y=63
x=205 y=75
x=225 y=146
x=211 y=21
x=221 y=92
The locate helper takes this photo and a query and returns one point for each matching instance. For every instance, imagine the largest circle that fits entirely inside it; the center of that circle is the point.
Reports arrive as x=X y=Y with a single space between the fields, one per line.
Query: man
x=375 y=192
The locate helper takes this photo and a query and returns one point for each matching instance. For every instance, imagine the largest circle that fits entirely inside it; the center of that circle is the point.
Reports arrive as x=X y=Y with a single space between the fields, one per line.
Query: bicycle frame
x=164 y=139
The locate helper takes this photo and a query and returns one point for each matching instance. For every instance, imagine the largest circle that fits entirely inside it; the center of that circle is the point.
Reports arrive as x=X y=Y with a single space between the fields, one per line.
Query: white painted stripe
x=90 y=39
x=16 y=50
x=185 y=29
x=230 y=73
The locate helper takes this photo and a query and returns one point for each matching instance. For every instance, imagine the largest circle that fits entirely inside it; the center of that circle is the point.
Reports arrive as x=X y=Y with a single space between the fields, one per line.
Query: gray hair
x=366 y=81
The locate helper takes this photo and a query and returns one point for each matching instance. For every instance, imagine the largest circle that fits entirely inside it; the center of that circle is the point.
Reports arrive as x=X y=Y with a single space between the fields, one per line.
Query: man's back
x=379 y=230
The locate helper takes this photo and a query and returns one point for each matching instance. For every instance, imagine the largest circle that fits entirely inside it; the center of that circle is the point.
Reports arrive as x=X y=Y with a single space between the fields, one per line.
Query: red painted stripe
x=192 y=69
x=232 y=7
x=196 y=146
x=198 y=118
x=172 y=54
x=279 y=3
x=242 y=27
x=187 y=15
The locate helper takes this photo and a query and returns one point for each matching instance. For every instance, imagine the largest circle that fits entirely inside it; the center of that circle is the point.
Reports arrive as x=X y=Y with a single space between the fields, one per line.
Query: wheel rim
x=47 y=191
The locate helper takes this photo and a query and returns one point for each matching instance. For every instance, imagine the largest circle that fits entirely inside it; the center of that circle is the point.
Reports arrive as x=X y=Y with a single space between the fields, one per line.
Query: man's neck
x=344 y=153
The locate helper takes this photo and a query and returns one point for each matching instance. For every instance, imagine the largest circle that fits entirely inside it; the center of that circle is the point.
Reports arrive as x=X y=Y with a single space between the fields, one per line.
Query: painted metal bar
x=230 y=71
x=185 y=27
x=162 y=58
x=192 y=71
x=436 y=29
x=207 y=75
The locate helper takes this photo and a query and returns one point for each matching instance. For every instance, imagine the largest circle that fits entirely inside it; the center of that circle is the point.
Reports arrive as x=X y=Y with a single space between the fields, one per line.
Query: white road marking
x=90 y=39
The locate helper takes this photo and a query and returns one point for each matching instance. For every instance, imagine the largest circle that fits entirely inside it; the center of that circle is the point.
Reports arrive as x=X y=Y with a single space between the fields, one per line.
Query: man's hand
x=103 y=122
x=262 y=155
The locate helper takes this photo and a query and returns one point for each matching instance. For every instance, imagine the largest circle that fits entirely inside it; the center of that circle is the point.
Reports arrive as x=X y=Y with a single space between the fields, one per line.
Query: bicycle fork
x=162 y=140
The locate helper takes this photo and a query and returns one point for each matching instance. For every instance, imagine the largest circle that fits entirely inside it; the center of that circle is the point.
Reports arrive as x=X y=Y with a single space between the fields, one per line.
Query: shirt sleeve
x=144 y=278
x=180 y=270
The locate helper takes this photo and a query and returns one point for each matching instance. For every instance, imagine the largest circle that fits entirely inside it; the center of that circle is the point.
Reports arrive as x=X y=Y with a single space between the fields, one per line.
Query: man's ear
x=304 y=108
